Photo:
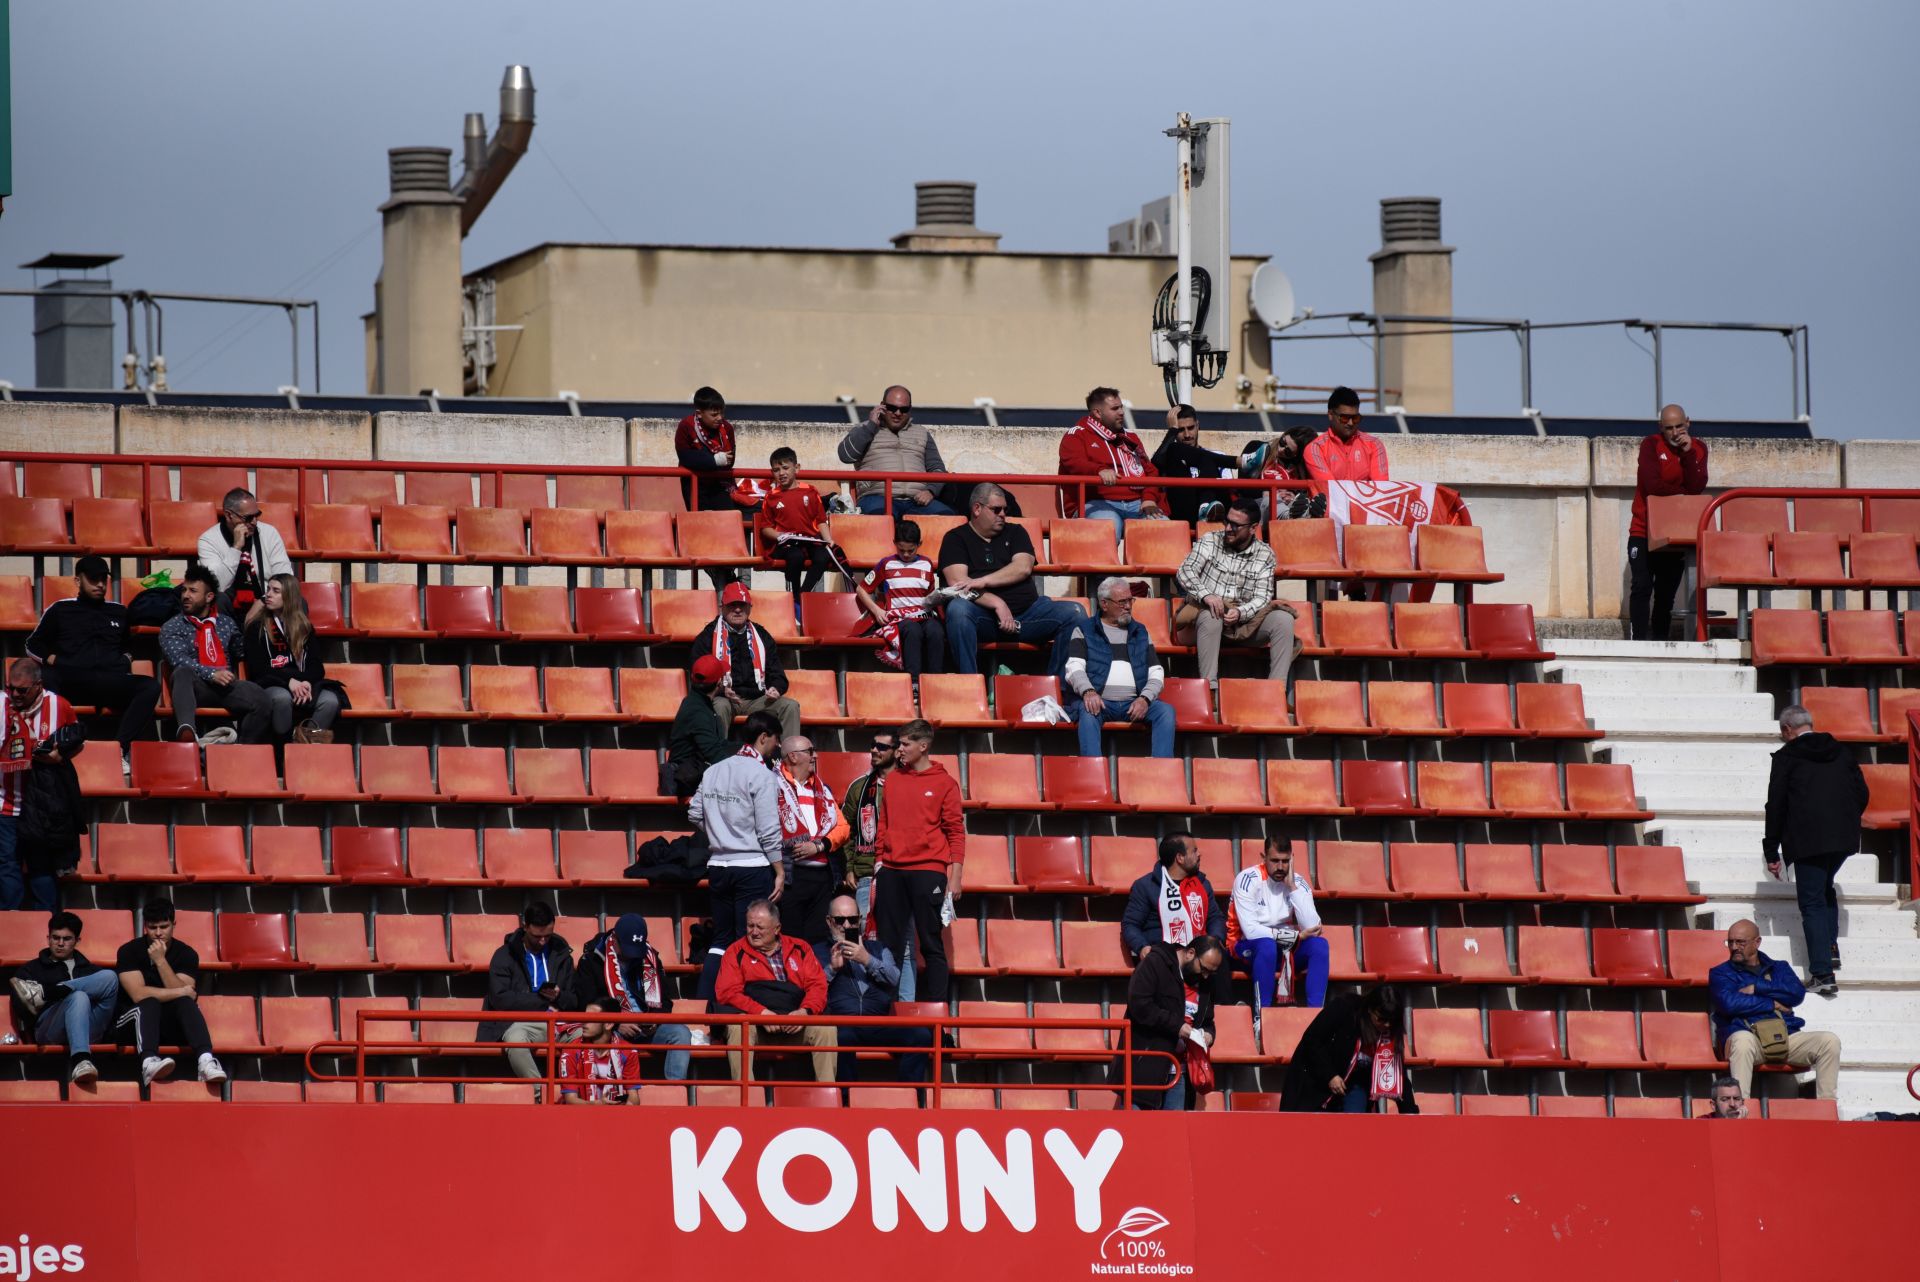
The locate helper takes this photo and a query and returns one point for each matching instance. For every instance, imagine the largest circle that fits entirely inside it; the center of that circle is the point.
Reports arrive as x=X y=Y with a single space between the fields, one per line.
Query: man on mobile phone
x=864 y=979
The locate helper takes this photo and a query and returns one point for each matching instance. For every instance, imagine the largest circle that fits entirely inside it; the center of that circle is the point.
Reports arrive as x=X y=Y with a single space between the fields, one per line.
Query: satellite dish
x=1271 y=295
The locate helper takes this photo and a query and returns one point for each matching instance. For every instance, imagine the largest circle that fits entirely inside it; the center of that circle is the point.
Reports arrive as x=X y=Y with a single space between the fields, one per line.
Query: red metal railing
x=1119 y=1035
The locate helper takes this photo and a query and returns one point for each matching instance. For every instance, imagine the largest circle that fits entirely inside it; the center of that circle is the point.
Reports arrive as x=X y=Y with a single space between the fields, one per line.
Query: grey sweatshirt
x=738 y=804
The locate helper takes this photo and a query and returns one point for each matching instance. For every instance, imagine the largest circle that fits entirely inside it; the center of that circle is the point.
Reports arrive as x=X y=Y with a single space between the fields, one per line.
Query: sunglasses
x=897 y=409
x=844 y=921
x=1001 y=510
x=1346 y=418
x=882 y=747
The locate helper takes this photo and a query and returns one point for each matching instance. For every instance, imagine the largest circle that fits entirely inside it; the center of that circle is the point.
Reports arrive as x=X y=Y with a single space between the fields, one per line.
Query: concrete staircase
x=1691 y=721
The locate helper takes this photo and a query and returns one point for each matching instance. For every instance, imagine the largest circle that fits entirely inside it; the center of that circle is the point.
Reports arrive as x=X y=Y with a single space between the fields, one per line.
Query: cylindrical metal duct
x=419 y=169
x=516 y=94
x=1404 y=218
x=943 y=204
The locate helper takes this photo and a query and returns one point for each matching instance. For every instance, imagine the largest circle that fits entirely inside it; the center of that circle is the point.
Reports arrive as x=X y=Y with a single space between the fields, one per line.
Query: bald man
x=890 y=441
x=1671 y=462
x=1749 y=989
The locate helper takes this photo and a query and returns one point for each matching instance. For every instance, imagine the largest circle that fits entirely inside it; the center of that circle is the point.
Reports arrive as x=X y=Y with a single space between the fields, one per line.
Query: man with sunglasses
x=864 y=979
x=1343 y=452
x=989 y=562
x=890 y=441
x=861 y=806
x=243 y=551
x=1227 y=583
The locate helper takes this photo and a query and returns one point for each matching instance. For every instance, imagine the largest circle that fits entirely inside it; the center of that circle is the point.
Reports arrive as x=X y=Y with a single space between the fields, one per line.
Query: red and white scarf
x=617 y=983
x=1385 y=1073
x=806 y=811
x=721 y=442
x=605 y=1068
x=1128 y=460
x=17 y=739
x=1183 y=908
x=756 y=650
x=206 y=641
x=279 y=653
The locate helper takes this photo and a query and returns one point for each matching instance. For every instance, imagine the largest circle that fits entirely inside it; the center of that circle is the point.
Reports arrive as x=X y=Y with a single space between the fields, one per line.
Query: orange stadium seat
x=1382 y=552
x=1117 y=862
x=1809 y=560
x=501 y=693
x=957 y=700
x=1302 y=787
x=836 y=619
x=1495 y=1106
x=1430 y=631
x=134 y=852
x=1083 y=546
x=1552 y=710
x=1358 y=630
x=1864 y=638
x=1884 y=561
x=1425 y=870
x=1077 y=783
x=1450 y=1037
x=319 y=772
x=445 y=857
x=1652 y=875
x=1454 y=789
x=492 y=536
x=1754 y=515
x=1154 y=785
x=1023 y=948
x=1528 y=789
x=1404 y=708
x=1305 y=549
x=429 y=691
x=595 y=858
x=1887 y=797
x=1892 y=711
x=1253 y=706
x=387 y=610
x=33 y=525
x=64 y=482
x=1473 y=955
x=1554 y=955
x=167 y=768
x=626 y=776
x=1577 y=873
x=536 y=613
x=1351 y=870
x=678 y=614
x=713 y=538
x=444 y=489
x=256 y=941
x=643 y=538
x=404 y=941
x=1601 y=791
x=1736 y=558
x=581 y=694
x=1603 y=1039
x=611 y=614
x=1330 y=707
x=1192 y=703
x=566 y=536
x=115 y=526
x=650 y=694
x=1050 y=865
x=1478 y=708
x=1228 y=786
x=1157 y=547
x=553 y=776
x=1679 y=1039
x=418 y=533
x=476 y=776
x=1787 y=637
x=1455 y=553
x=213 y=852
x=1501 y=872
x=289 y=856
x=373 y=487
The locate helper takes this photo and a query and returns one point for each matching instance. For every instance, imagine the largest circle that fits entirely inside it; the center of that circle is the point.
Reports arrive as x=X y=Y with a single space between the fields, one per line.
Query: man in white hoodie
x=243 y=551
x=738 y=807
x=1275 y=929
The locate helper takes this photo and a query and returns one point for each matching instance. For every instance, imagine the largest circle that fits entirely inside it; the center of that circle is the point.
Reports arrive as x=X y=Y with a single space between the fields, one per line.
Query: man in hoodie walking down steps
x=1815 y=797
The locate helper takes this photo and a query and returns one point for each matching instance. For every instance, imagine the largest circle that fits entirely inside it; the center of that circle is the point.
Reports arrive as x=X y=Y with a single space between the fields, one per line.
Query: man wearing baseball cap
x=621 y=968
x=699 y=737
x=753 y=679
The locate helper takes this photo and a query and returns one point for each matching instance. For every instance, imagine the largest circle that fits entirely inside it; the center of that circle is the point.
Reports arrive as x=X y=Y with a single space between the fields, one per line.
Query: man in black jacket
x=1815 y=797
x=698 y=737
x=67 y=998
x=1169 y=1004
x=1351 y=1057
x=532 y=970
x=754 y=680
x=81 y=643
x=619 y=967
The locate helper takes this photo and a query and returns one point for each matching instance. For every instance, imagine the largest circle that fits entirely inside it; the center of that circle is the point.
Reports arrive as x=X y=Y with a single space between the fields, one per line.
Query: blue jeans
x=1159 y=722
x=1310 y=966
x=1359 y=1097
x=875 y=503
x=967 y=621
x=82 y=1017
x=675 y=1037
x=912 y=1066
x=1119 y=511
x=729 y=891
x=1819 y=909
x=1172 y=1100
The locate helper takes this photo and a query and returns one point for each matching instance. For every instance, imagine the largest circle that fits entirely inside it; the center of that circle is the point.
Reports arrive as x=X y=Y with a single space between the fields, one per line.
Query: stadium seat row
x=1852 y=639
x=1810 y=560
x=1843 y=712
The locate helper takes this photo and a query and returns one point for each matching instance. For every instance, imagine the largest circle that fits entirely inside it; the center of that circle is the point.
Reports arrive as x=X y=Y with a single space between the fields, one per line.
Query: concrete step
x=1866 y=961
x=1875 y=1091
x=1878 y=895
x=1691 y=653
x=1627 y=707
x=1861 y=917
x=1746 y=865
x=1706 y=793
x=1749 y=755
x=1606 y=676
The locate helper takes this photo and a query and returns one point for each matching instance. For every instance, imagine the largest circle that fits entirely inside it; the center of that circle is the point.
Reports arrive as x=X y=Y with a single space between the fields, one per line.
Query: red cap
x=708 y=671
x=736 y=592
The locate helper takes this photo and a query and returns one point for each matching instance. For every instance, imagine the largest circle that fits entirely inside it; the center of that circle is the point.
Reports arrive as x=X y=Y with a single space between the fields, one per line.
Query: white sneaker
x=31 y=995
x=155 y=1068
x=700 y=1035
x=83 y=1071
x=210 y=1070
x=126 y=766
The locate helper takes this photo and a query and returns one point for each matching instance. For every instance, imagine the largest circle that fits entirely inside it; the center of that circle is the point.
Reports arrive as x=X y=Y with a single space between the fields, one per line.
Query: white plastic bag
x=1046 y=708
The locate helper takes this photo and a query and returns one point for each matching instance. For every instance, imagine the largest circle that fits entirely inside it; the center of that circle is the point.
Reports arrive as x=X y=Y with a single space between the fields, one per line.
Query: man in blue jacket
x=1109 y=672
x=1175 y=904
x=1751 y=986
x=863 y=979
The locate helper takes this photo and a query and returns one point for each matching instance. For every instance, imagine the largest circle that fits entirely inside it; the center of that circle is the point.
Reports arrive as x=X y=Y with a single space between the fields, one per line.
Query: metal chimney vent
x=943 y=204
x=1409 y=218
x=420 y=169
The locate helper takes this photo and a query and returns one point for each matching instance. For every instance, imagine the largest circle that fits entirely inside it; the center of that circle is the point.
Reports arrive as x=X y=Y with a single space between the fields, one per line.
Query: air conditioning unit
x=1150 y=233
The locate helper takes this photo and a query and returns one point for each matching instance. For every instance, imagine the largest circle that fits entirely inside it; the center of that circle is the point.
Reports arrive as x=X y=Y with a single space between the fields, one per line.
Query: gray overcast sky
x=1722 y=160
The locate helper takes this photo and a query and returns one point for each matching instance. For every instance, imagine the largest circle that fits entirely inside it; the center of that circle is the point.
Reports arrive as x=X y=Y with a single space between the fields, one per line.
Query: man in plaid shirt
x=1227 y=583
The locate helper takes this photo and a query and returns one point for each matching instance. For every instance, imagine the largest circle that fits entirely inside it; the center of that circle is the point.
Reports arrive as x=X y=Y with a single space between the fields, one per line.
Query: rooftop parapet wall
x=57 y=427
x=248 y=433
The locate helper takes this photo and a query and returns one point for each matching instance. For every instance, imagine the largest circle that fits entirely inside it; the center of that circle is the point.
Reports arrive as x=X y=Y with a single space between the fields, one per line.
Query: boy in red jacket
x=1100 y=445
x=792 y=529
x=1671 y=462
x=767 y=973
x=922 y=843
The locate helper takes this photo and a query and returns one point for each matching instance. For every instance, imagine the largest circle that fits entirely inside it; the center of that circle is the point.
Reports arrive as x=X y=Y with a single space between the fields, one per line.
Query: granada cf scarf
x=206 y=641
x=649 y=981
x=1385 y=1074
x=16 y=742
x=805 y=815
x=756 y=650
x=1183 y=908
x=1127 y=459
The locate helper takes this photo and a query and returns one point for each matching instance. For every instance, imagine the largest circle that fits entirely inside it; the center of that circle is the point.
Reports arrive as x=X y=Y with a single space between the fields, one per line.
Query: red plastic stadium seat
x=582 y=694
x=1455 y=553
x=1884 y=560
x=289 y=856
x=836 y=619
x=1093 y=948
x=1157 y=786
x=1228 y=785
x=536 y=613
x=554 y=776
x=213 y=852
x=332 y=941
x=1450 y=1037
x=610 y=614
x=1399 y=954
x=1501 y=872
x=875 y=698
x=1692 y=953
x=1495 y=1105
x=256 y=941
x=1378 y=788
x=626 y=776
x=1350 y=870
x=1787 y=636
x=1864 y=638
x=428 y=691
x=33 y=525
x=461 y=611
x=1628 y=958
x=1022 y=948
x=476 y=937
x=167 y=768
x=1454 y=789
x=956 y=700
x=643 y=538
x=1077 y=783
x=1809 y=560
x=110 y=526
x=1303 y=787
x=445 y=857
x=1252 y=706
x=1552 y=710
x=477 y=775
x=417 y=532
x=63 y=481
x=1735 y=558
x=650 y=694
x=1597 y=790
x=444 y=489
x=371 y=486
x=505 y=693
x=679 y=613
x=1893 y=708
x=1755 y=515
x=1050 y=865
x=1504 y=632
x=133 y=852
x=1577 y=873
x=1305 y=549
x=1403 y=708
x=1382 y=552
x=402 y=774
x=1554 y=955
x=403 y=941
x=1081 y=546
x=1330 y=707
x=234 y=1023
x=1479 y=708
x=713 y=538
x=1652 y=875
x=1603 y=1039
x=292 y=1024
x=494 y=536
x=1678 y=1039
x=1840 y=711
x=1155 y=547
x=594 y=857
x=340 y=532
x=1117 y=862
x=1357 y=630
x=387 y=610
x=1887 y=797
x=566 y=536
x=1802 y=1110
x=1430 y=631
x=1528 y=789
x=1425 y=870
x=368 y=855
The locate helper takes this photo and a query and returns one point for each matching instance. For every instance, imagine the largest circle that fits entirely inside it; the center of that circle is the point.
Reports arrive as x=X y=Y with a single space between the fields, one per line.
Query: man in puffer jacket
x=1815 y=797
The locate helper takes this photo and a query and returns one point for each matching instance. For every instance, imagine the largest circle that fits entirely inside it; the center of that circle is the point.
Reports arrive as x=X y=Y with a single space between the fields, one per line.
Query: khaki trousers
x=784 y=710
x=1821 y=1050
x=1275 y=632
x=822 y=1037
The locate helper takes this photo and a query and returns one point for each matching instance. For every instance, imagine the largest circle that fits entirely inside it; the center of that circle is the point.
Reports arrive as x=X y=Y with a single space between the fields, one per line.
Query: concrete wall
x=777 y=325
x=1555 y=510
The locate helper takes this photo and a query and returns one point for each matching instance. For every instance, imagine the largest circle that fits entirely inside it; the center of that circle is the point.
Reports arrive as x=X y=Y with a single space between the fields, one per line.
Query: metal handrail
x=939 y=1053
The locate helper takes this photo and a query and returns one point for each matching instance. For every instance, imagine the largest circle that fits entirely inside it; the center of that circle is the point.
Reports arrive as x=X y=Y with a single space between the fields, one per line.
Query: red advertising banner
x=156 y=1192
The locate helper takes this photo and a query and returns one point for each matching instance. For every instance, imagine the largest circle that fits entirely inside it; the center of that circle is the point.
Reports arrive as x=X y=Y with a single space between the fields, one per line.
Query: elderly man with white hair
x=1109 y=671
x=812 y=834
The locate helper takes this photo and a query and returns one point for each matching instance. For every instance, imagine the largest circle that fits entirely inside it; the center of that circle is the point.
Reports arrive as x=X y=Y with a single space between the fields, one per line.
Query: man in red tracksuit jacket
x=1671 y=462
x=765 y=972
x=921 y=845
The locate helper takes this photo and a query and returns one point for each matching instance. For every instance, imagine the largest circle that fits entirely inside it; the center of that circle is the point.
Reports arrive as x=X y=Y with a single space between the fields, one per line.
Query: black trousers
x=729 y=892
x=134 y=697
x=178 y=1022
x=923 y=645
x=805 y=563
x=1656 y=577
x=803 y=908
x=911 y=900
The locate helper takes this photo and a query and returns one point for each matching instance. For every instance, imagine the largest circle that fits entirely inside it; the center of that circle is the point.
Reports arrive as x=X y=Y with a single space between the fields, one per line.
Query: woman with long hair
x=285 y=659
x=1351 y=1058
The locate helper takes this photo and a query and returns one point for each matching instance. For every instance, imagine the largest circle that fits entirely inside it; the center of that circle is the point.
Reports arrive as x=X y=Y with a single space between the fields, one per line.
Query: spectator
x=81 y=643
x=286 y=658
x=864 y=979
x=991 y=562
x=890 y=441
x=703 y=444
x=53 y=816
x=1170 y=1006
x=1100 y=445
x=1351 y=1058
x=1227 y=585
x=29 y=714
x=698 y=738
x=161 y=978
x=755 y=680
x=1282 y=459
x=768 y=973
x=1275 y=929
x=737 y=806
x=1671 y=462
x=861 y=806
x=792 y=528
x=203 y=645
x=1173 y=904
x=67 y=998
x=594 y=1068
x=243 y=552
x=922 y=846
x=621 y=970
x=532 y=970
x=1343 y=452
x=1815 y=798
x=1753 y=998
x=1111 y=671
x=812 y=831
x=899 y=596
x=1728 y=1100
x=1181 y=454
